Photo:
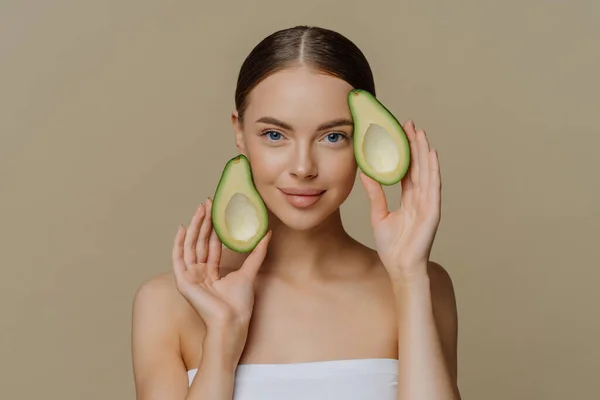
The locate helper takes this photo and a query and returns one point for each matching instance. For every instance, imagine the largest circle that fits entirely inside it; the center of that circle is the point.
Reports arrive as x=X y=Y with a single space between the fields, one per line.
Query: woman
x=310 y=313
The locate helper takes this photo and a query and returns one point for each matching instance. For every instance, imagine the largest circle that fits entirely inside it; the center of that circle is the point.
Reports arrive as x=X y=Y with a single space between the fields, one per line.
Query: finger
x=192 y=235
x=214 y=255
x=423 y=150
x=406 y=199
x=414 y=153
x=179 y=267
x=254 y=261
x=435 y=179
x=379 y=208
x=204 y=236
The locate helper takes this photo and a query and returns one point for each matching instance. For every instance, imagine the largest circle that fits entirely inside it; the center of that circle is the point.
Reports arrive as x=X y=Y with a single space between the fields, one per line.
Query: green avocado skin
x=386 y=113
x=257 y=201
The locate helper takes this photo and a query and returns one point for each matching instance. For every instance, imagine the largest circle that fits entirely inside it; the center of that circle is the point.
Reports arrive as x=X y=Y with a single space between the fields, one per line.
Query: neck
x=307 y=253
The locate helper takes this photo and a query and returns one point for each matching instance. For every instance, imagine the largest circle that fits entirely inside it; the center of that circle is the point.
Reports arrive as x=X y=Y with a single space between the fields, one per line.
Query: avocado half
x=239 y=214
x=381 y=147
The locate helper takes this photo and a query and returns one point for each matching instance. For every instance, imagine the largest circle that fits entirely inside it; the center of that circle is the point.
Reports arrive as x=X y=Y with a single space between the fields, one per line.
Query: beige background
x=114 y=125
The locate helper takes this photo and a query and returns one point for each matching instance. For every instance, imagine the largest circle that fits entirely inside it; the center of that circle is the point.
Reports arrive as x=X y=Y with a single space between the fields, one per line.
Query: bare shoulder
x=157 y=315
x=158 y=305
x=445 y=311
x=159 y=293
x=442 y=295
x=440 y=280
x=165 y=326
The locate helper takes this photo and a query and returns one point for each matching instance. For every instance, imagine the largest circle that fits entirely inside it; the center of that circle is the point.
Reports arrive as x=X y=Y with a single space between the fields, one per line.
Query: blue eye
x=335 y=137
x=272 y=135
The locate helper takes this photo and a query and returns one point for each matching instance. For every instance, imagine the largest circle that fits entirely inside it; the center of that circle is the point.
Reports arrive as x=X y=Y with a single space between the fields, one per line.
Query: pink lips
x=302 y=197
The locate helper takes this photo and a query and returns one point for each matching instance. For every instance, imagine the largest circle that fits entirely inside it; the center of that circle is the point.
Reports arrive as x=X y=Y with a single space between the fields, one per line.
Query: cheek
x=340 y=170
x=266 y=166
x=349 y=179
x=342 y=164
x=262 y=169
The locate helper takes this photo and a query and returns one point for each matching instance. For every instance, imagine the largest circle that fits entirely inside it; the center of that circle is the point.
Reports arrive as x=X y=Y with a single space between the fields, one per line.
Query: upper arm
x=445 y=314
x=159 y=370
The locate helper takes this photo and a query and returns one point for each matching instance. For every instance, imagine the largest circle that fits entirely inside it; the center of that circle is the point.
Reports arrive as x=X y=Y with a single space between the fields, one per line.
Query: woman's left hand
x=404 y=237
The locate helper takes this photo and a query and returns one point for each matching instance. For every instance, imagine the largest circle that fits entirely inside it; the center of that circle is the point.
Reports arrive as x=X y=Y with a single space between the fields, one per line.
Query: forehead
x=300 y=96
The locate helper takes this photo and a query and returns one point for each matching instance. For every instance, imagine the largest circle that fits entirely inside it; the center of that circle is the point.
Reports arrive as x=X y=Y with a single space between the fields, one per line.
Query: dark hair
x=322 y=49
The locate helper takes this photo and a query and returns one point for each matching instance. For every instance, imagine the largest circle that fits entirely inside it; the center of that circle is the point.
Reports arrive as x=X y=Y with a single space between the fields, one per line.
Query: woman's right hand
x=225 y=304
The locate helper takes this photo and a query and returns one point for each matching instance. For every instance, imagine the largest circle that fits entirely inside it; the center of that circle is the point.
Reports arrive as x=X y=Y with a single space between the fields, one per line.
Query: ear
x=237 y=130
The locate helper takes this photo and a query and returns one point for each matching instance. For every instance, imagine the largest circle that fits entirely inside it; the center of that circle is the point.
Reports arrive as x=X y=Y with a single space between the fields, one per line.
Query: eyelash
x=266 y=132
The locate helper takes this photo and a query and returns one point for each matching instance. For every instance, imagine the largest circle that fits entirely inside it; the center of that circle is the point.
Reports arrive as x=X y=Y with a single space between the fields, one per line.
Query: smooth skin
x=308 y=291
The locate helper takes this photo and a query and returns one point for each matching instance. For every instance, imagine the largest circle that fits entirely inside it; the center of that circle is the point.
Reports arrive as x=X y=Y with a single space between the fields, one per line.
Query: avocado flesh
x=239 y=214
x=381 y=147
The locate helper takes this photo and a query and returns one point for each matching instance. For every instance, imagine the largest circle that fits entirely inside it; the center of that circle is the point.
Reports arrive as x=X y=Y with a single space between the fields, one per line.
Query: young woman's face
x=297 y=134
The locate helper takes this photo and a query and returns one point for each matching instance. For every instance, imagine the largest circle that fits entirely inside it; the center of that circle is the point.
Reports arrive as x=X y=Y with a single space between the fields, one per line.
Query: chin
x=300 y=221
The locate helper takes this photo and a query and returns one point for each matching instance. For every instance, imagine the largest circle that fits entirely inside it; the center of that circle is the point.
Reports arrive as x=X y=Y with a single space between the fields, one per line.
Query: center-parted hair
x=324 y=50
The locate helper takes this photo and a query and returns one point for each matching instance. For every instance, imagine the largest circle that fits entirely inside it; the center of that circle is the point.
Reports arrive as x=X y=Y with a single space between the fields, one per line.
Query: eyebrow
x=327 y=125
x=335 y=123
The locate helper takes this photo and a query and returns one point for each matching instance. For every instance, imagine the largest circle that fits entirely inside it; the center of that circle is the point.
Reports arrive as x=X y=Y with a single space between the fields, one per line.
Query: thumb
x=379 y=208
x=254 y=261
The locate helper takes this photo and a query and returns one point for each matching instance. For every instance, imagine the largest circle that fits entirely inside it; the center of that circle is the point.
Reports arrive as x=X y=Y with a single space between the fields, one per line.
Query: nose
x=303 y=163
